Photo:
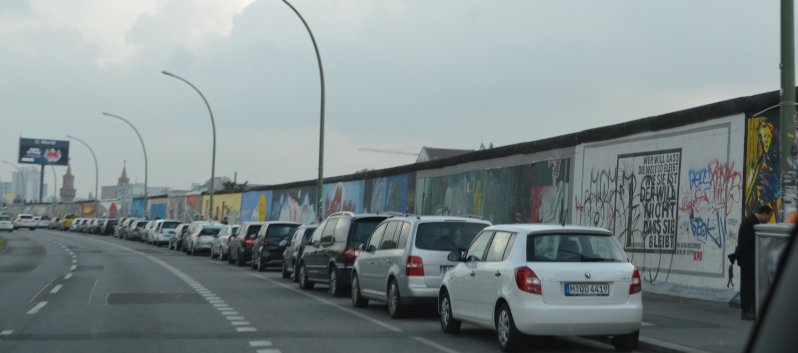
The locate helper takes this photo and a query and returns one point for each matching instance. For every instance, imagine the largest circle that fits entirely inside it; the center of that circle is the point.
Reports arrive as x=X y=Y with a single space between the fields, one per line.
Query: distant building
x=67 y=191
x=25 y=184
x=431 y=154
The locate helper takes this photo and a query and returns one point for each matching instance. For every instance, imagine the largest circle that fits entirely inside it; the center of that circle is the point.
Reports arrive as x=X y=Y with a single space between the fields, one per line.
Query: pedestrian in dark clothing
x=746 y=259
x=224 y=220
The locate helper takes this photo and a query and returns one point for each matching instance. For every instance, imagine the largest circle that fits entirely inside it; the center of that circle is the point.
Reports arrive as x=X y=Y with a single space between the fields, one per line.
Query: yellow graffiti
x=262 y=208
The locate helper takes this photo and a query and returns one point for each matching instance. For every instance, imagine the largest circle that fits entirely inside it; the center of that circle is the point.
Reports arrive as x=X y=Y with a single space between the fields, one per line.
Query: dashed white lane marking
x=235 y=318
x=74 y=267
x=219 y=305
x=229 y=312
x=239 y=323
x=260 y=343
x=74 y=261
x=37 y=308
x=56 y=288
x=269 y=351
x=434 y=345
x=69 y=275
x=646 y=324
x=6 y=332
x=214 y=302
x=246 y=329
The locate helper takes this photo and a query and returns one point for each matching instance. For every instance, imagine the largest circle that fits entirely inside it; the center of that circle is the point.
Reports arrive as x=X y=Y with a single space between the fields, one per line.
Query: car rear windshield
x=447 y=236
x=5 y=219
x=25 y=217
x=252 y=231
x=142 y=223
x=170 y=225
x=573 y=248
x=210 y=231
x=112 y=222
x=281 y=230
x=363 y=228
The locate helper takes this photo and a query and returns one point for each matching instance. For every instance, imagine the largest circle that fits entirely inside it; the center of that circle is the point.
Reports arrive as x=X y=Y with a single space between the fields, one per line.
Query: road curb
x=647 y=344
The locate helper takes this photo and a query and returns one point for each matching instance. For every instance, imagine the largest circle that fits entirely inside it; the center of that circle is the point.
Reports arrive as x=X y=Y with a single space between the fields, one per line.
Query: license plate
x=587 y=289
x=445 y=269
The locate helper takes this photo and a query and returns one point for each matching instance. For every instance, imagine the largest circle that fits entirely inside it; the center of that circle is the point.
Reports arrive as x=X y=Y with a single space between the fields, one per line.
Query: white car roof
x=527 y=228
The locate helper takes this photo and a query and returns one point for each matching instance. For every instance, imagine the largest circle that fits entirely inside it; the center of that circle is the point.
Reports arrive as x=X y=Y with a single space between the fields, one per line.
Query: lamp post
x=96 y=172
x=146 y=208
x=24 y=180
x=213 y=126
x=321 y=123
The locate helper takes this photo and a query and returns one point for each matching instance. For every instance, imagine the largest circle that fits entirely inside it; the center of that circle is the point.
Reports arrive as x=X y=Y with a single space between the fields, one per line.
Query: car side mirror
x=362 y=247
x=315 y=243
x=455 y=256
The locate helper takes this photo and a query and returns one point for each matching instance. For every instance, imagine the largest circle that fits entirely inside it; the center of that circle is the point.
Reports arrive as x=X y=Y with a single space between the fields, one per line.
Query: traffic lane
x=130 y=308
x=28 y=264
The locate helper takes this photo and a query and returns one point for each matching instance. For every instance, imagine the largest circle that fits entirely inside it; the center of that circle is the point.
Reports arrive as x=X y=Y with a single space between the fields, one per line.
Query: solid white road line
x=646 y=324
x=239 y=323
x=6 y=332
x=269 y=351
x=260 y=343
x=37 y=308
x=56 y=288
x=69 y=275
x=246 y=329
x=235 y=318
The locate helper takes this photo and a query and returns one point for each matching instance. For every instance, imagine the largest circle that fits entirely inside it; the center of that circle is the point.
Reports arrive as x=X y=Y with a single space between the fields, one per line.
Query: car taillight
x=350 y=253
x=136 y=229
x=249 y=241
x=527 y=280
x=415 y=267
x=636 y=286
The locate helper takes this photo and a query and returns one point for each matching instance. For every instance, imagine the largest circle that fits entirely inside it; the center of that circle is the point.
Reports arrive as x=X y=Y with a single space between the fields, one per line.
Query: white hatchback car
x=534 y=279
x=6 y=224
x=25 y=221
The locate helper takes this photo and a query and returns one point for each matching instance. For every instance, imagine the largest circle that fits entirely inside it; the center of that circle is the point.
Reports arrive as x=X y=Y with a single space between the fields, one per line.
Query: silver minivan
x=405 y=259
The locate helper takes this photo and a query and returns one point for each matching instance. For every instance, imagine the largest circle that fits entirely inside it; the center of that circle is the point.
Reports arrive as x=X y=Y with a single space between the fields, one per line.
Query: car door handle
x=498 y=274
x=472 y=274
x=371 y=262
x=389 y=260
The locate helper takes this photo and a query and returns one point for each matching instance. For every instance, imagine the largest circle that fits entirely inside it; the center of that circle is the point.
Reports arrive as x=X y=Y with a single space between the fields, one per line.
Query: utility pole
x=787 y=166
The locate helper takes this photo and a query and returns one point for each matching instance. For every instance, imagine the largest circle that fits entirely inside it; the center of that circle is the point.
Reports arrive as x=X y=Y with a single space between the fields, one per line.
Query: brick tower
x=68 y=190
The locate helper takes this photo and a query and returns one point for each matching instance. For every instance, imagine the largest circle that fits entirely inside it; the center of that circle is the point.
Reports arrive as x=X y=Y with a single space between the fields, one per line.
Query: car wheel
x=285 y=272
x=240 y=260
x=295 y=275
x=395 y=307
x=222 y=255
x=32 y=229
x=448 y=323
x=229 y=257
x=304 y=282
x=507 y=334
x=194 y=251
x=357 y=300
x=336 y=287
x=261 y=267
x=158 y=244
x=626 y=343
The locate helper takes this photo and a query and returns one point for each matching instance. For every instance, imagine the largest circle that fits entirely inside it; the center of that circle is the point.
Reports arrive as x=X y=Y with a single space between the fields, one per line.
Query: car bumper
x=6 y=226
x=415 y=291
x=533 y=317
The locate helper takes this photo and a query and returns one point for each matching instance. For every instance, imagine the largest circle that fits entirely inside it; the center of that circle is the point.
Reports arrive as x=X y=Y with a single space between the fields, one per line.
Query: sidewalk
x=700 y=325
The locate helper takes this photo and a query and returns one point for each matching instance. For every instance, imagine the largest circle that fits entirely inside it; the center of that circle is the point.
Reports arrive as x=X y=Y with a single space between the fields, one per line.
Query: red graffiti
x=715 y=188
x=698 y=256
x=337 y=203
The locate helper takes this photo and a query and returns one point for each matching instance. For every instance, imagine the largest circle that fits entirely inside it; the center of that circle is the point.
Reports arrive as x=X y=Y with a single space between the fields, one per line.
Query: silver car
x=199 y=236
x=405 y=258
x=162 y=230
x=220 y=247
x=176 y=238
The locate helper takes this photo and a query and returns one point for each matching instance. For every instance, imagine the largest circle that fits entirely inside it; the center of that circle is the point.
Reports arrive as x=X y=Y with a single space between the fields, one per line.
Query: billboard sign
x=42 y=151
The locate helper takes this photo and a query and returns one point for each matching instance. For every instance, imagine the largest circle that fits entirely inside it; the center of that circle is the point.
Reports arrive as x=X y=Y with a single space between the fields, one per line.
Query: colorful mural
x=255 y=206
x=344 y=196
x=137 y=208
x=390 y=194
x=224 y=205
x=176 y=208
x=193 y=207
x=762 y=164
x=294 y=205
x=158 y=207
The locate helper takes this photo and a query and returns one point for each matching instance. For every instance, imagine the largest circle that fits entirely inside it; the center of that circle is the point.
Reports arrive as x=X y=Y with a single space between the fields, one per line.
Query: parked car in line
x=109 y=226
x=66 y=222
x=200 y=235
x=176 y=239
x=6 y=223
x=333 y=247
x=83 y=224
x=405 y=258
x=240 y=248
x=125 y=228
x=221 y=243
x=162 y=230
x=118 y=227
x=136 y=231
x=44 y=223
x=293 y=251
x=270 y=244
x=535 y=279
x=144 y=235
x=73 y=227
x=96 y=226
x=25 y=220
x=55 y=223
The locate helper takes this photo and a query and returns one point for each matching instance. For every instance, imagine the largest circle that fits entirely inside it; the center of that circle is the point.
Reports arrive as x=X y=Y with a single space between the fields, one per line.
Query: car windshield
x=573 y=248
x=447 y=236
x=281 y=230
x=141 y=224
x=25 y=217
x=252 y=231
x=112 y=222
x=363 y=229
x=5 y=219
x=210 y=231
x=170 y=225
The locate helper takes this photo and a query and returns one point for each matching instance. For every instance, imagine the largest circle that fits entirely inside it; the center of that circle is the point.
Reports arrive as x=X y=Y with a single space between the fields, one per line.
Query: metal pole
x=787 y=167
x=146 y=208
x=213 y=125
x=96 y=172
x=55 y=183
x=41 y=185
x=321 y=124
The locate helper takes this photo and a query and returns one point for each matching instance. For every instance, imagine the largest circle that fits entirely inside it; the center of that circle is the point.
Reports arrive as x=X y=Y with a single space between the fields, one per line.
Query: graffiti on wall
x=224 y=206
x=193 y=207
x=762 y=164
x=343 y=196
x=709 y=202
x=176 y=208
x=255 y=206
x=294 y=205
x=389 y=194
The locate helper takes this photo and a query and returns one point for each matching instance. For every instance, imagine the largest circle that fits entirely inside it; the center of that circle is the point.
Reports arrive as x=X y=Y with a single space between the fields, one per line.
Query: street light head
x=106 y=113
x=167 y=73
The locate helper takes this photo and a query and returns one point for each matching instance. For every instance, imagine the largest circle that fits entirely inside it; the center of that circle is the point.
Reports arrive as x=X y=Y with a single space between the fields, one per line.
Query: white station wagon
x=534 y=279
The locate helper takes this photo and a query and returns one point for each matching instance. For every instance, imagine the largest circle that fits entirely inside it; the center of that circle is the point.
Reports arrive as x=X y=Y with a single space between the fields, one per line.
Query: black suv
x=270 y=244
x=108 y=226
x=332 y=250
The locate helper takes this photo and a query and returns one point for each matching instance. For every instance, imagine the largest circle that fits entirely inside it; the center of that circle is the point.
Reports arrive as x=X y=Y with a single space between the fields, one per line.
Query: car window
x=403 y=234
x=280 y=231
x=498 y=246
x=5 y=219
x=233 y=231
x=25 y=217
x=210 y=231
x=329 y=230
x=363 y=228
x=573 y=248
x=342 y=229
x=477 y=250
x=140 y=224
x=169 y=225
x=307 y=235
x=388 y=241
x=376 y=238
x=447 y=236
x=317 y=233
x=252 y=230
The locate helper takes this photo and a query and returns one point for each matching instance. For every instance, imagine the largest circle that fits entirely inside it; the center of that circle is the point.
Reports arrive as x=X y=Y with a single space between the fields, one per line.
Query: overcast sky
x=399 y=75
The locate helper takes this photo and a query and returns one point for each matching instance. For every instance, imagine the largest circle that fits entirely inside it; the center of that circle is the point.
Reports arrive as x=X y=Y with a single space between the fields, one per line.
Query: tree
x=232 y=186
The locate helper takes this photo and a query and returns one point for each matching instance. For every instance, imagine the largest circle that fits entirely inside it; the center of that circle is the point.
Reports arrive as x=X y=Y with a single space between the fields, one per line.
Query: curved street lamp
x=213 y=126
x=146 y=207
x=321 y=124
x=96 y=173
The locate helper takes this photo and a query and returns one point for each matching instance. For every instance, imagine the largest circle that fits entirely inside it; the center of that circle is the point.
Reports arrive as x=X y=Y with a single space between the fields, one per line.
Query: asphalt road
x=67 y=292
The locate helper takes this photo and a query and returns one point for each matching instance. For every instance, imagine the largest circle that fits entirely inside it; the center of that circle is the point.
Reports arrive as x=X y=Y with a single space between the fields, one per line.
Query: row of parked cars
x=25 y=220
x=519 y=279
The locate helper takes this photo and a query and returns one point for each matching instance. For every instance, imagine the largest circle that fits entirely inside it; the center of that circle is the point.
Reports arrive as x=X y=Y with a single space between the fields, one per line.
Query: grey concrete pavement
x=131 y=297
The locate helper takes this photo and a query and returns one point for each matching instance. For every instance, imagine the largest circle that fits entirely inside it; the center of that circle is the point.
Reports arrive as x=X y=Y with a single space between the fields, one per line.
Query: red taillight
x=228 y=241
x=636 y=286
x=249 y=242
x=527 y=280
x=415 y=267
x=265 y=242
x=136 y=229
x=350 y=253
